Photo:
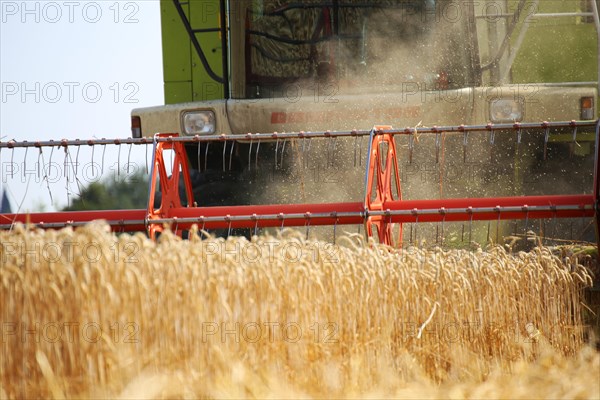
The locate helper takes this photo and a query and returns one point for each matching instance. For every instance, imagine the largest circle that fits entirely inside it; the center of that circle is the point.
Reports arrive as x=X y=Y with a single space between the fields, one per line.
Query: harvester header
x=382 y=211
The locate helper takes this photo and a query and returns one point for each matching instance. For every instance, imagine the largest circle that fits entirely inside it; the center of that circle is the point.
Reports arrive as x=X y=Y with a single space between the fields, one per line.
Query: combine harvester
x=296 y=70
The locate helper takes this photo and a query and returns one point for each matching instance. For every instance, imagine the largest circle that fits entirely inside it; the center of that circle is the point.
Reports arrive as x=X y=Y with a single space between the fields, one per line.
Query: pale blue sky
x=73 y=69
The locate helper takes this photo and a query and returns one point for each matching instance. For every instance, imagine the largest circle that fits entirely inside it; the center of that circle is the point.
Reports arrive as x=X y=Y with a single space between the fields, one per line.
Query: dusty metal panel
x=176 y=50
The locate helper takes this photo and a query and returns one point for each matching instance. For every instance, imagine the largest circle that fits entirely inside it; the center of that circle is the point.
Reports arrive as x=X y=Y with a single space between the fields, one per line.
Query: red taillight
x=136 y=127
x=587 y=108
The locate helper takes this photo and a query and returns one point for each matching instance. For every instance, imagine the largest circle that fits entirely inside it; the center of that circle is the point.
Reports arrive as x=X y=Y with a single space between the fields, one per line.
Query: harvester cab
x=264 y=66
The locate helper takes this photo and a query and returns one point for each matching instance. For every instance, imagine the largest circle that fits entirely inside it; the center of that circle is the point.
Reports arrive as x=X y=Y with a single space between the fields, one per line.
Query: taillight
x=587 y=108
x=136 y=127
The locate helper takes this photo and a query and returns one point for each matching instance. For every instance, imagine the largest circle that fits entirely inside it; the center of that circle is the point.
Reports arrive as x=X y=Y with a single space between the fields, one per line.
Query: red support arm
x=169 y=185
x=383 y=178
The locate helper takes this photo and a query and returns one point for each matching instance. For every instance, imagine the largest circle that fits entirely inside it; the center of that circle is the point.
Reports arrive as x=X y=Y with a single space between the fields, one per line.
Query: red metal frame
x=345 y=213
x=169 y=185
x=119 y=220
x=383 y=177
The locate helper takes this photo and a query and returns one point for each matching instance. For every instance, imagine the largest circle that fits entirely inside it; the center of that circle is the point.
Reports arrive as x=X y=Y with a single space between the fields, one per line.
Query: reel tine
x=573 y=142
x=306 y=159
x=442 y=237
x=93 y=148
x=147 y=170
x=276 y=150
x=256 y=156
x=67 y=174
x=38 y=162
x=437 y=147
x=77 y=181
x=411 y=145
x=66 y=163
x=103 y=153
x=307 y=216
x=198 y=156
x=465 y=145
x=498 y=226
x=416 y=226
x=25 y=162
x=282 y=152
x=417 y=231
x=470 y=211
x=303 y=148
x=128 y=158
x=250 y=152
x=119 y=160
x=12 y=163
x=546 y=139
x=231 y=154
x=334 y=147
x=328 y=151
x=442 y=162
x=335 y=227
x=51 y=153
x=77 y=160
x=206 y=156
x=67 y=180
x=542 y=230
x=224 y=150
x=492 y=144
x=355 y=145
x=552 y=228
x=526 y=209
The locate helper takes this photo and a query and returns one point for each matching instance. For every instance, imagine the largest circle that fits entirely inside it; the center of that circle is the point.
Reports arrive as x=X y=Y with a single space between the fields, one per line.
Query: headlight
x=199 y=123
x=506 y=110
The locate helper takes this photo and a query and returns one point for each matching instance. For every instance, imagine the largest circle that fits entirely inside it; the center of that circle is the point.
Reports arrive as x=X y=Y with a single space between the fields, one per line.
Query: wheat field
x=88 y=314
